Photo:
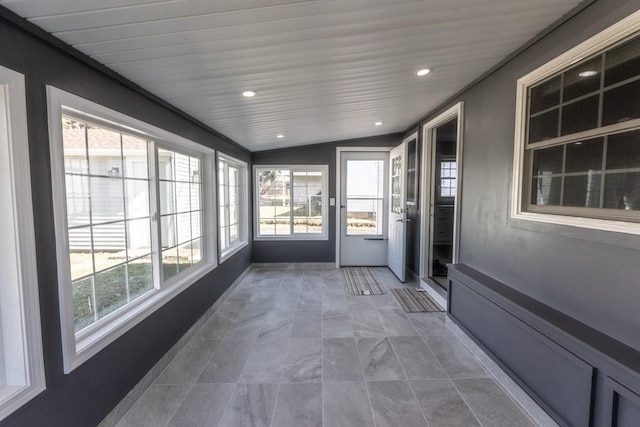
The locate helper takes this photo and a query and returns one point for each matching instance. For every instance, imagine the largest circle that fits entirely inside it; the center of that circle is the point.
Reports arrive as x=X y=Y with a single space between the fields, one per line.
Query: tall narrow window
x=132 y=220
x=291 y=202
x=21 y=363
x=108 y=217
x=180 y=211
x=232 y=201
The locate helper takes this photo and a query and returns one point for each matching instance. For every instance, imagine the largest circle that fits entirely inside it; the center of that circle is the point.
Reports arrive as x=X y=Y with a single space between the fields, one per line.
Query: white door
x=398 y=213
x=363 y=208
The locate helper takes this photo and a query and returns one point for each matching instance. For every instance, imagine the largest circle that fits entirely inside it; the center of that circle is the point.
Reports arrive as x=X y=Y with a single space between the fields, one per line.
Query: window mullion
x=154 y=211
x=291 y=227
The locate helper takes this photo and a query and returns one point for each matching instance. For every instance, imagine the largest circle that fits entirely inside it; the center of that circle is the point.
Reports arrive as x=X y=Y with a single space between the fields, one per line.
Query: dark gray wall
x=86 y=395
x=589 y=275
x=318 y=154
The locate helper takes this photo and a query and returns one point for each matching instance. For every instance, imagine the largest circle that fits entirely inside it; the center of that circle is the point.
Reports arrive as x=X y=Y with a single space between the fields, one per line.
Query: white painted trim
x=325 y=203
x=456 y=110
x=27 y=360
x=595 y=44
x=243 y=239
x=80 y=347
x=339 y=151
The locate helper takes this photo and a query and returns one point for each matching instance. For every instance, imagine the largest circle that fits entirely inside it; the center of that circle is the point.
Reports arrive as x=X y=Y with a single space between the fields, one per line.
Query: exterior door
x=363 y=208
x=398 y=213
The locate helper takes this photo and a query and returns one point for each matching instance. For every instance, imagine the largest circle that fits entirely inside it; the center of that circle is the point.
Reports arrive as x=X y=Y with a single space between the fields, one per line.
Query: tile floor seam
x=275 y=405
x=409 y=383
x=435 y=357
x=495 y=379
x=473 y=412
x=226 y=407
x=366 y=384
x=178 y=406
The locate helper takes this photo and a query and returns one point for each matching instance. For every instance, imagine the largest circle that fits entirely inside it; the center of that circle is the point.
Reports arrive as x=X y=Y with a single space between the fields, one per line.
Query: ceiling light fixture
x=249 y=93
x=588 y=73
x=423 y=72
x=378 y=123
x=279 y=136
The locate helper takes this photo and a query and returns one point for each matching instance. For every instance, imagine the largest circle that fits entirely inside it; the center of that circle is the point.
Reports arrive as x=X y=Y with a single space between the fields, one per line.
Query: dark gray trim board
x=87 y=394
x=580 y=376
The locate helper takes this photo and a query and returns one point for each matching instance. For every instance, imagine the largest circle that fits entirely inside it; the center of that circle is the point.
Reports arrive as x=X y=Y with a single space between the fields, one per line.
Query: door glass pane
x=364 y=216
x=365 y=196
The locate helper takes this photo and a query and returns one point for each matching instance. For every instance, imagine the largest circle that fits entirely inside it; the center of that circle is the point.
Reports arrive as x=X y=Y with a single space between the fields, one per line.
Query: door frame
x=426 y=166
x=339 y=151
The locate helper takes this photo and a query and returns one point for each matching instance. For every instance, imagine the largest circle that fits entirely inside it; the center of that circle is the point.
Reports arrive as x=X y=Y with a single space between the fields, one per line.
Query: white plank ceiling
x=324 y=70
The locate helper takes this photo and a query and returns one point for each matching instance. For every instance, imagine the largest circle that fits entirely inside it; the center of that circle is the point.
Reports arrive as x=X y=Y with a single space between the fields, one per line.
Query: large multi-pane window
x=232 y=202
x=132 y=219
x=291 y=202
x=579 y=146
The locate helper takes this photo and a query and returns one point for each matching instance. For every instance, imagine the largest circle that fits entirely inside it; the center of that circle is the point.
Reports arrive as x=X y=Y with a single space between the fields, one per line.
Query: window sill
x=91 y=341
x=13 y=397
x=291 y=238
x=618 y=227
x=232 y=250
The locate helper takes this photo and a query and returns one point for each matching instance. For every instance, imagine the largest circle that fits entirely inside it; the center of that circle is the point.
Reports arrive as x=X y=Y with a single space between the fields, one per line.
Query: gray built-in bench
x=580 y=376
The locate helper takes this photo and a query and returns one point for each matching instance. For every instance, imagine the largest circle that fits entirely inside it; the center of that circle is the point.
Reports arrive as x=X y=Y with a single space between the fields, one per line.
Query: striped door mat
x=413 y=301
x=361 y=281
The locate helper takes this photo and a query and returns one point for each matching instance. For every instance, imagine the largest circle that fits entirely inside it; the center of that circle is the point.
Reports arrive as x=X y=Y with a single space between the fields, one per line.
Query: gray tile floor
x=289 y=348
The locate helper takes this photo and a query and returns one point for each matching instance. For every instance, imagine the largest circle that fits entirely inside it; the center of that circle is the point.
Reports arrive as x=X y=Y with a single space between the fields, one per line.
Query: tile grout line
x=451 y=380
x=406 y=377
x=366 y=383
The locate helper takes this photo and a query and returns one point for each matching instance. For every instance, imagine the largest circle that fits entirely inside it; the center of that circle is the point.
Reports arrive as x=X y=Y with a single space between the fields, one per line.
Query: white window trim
x=243 y=232
x=595 y=44
x=325 y=203
x=19 y=304
x=79 y=347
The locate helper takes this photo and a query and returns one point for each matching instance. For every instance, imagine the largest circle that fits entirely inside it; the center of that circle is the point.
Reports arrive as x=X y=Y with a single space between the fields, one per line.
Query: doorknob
x=342 y=206
x=403 y=220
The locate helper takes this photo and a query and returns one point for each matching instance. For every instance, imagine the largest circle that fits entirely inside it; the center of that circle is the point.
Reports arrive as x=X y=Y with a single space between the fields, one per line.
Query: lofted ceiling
x=324 y=70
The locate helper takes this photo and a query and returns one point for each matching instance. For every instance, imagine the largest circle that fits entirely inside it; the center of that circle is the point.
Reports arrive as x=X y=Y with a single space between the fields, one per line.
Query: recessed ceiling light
x=249 y=93
x=588 y=73
x=378 y=123
x=423 y=72
x=279 y=136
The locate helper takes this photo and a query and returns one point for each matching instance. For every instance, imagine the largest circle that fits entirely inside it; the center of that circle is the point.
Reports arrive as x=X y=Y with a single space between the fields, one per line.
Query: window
x=21 y=362
x=578 y=135
x=233 y=204
x=133 y=210
x=291 y=202
x=365 y=197
x=447 y=178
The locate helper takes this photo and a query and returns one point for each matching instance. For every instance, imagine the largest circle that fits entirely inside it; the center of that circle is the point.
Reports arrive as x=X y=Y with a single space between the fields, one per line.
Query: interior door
x=364 y=204
x=396 y=258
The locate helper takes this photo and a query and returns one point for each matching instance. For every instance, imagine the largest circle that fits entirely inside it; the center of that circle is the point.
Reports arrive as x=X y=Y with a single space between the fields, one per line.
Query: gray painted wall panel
x=562 y=381
x=589 y=275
